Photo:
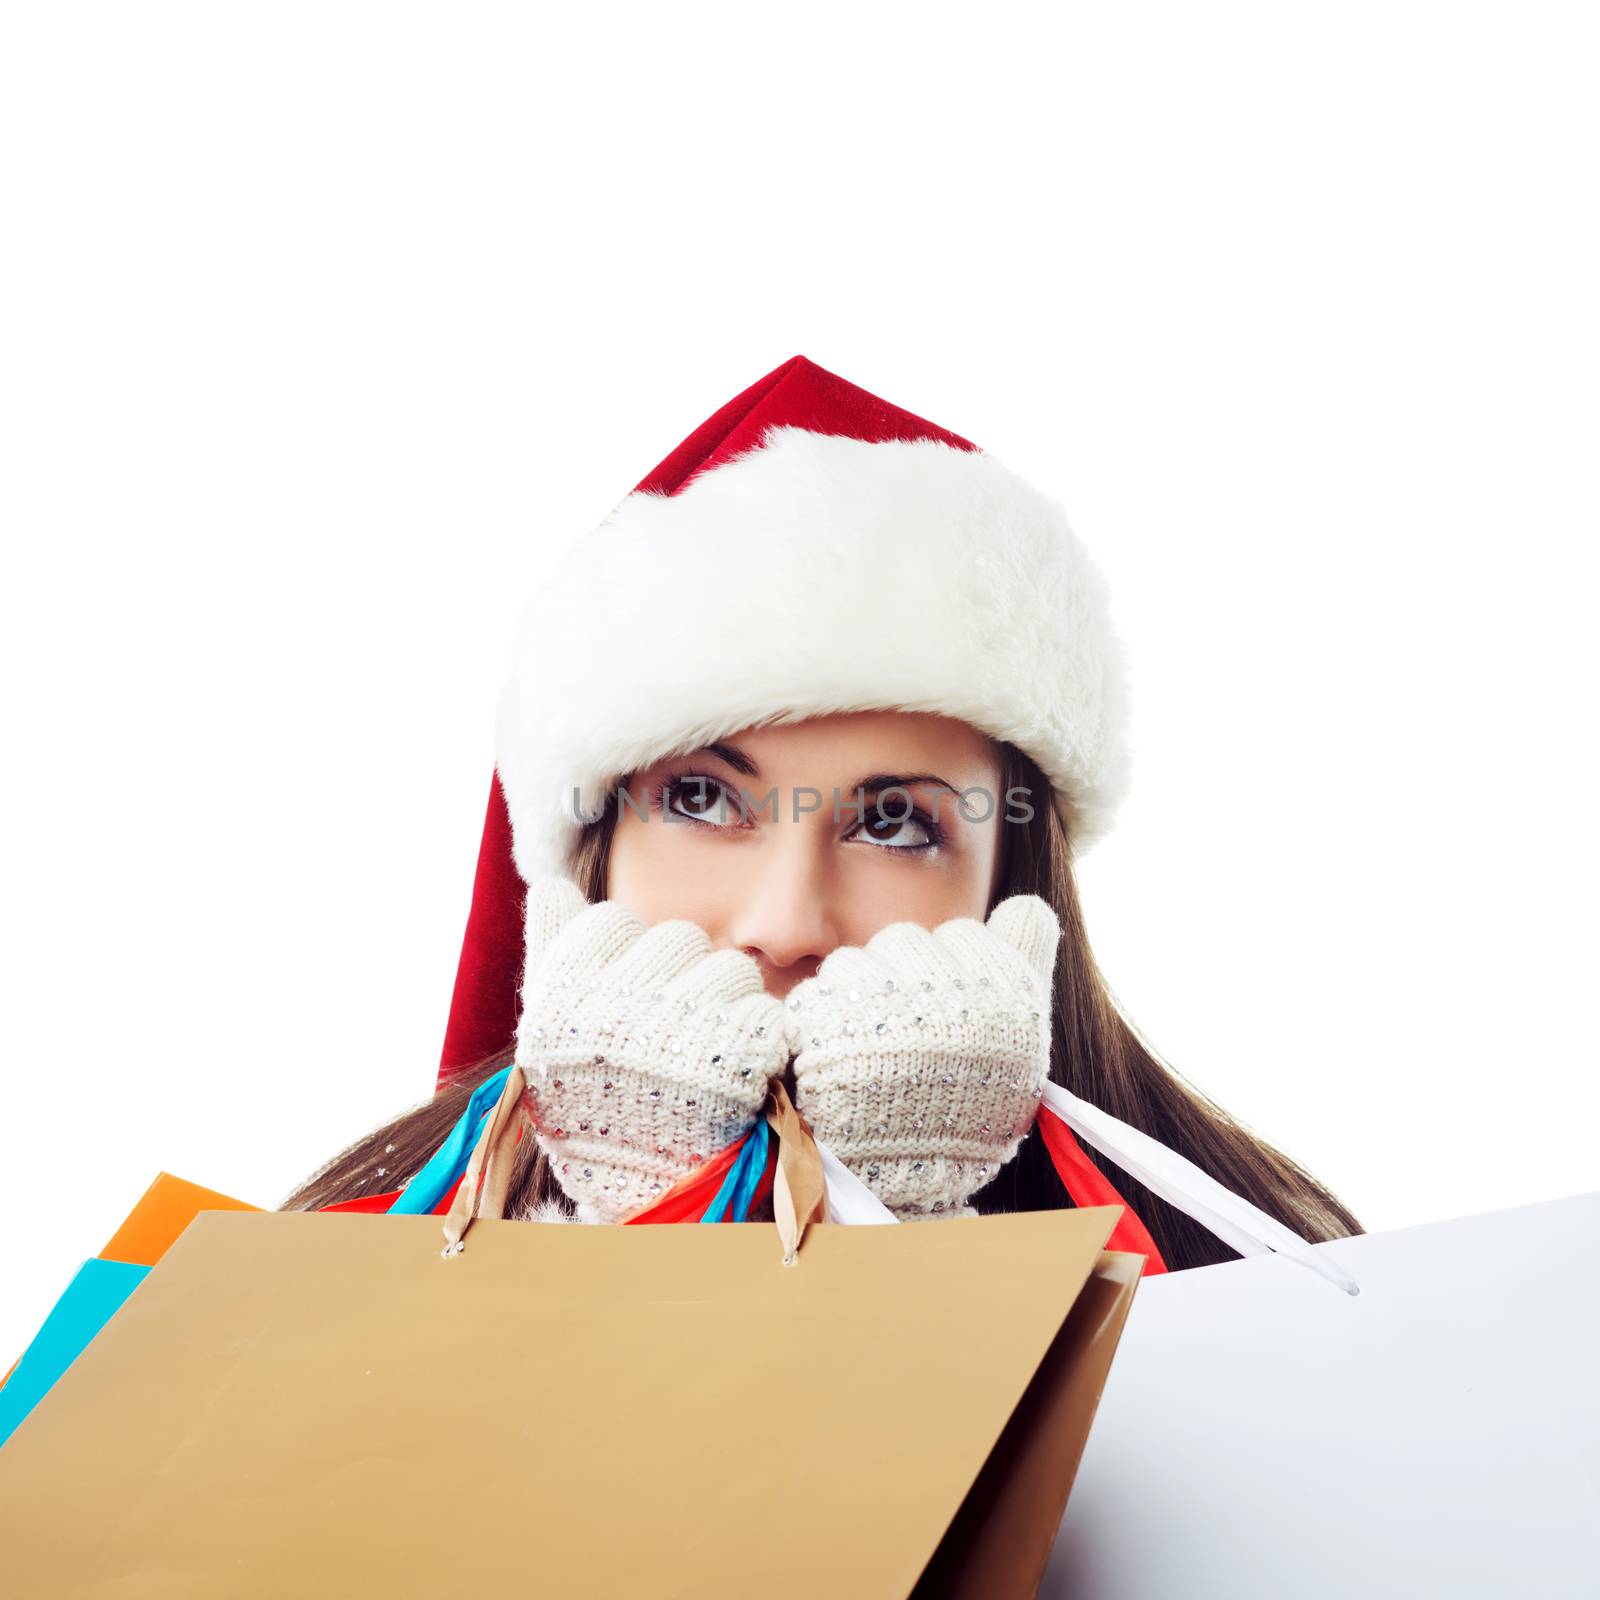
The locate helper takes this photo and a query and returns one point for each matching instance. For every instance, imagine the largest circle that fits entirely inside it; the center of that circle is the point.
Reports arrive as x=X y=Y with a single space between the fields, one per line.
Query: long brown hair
x=1095 y=1053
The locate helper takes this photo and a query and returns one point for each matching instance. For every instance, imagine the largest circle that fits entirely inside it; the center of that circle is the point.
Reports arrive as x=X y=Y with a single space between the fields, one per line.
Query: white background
x=325 y=325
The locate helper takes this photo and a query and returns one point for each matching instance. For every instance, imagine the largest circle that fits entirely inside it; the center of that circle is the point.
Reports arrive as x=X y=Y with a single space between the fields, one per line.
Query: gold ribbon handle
x=488 y=1176
x=799 y=1189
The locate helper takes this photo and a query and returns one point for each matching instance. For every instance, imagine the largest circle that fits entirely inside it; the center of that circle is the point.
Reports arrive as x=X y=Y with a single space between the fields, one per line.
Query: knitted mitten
x=645 y=1051
x=920 y=1057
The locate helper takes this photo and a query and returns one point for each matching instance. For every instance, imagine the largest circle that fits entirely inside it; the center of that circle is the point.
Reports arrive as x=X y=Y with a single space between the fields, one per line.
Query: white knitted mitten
x=920 y=1056
x=645 y=1050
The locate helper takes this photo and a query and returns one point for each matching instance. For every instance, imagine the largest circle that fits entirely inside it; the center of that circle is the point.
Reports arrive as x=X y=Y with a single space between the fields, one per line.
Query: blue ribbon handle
x=739 y=1186
x=449 y=1161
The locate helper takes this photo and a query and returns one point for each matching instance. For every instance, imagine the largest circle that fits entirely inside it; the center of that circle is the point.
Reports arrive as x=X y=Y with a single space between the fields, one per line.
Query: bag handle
x=799 y=1187
x=483 y=1188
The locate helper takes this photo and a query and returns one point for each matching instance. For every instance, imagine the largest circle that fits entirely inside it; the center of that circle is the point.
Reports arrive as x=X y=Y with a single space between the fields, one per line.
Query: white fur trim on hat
x=812 y=574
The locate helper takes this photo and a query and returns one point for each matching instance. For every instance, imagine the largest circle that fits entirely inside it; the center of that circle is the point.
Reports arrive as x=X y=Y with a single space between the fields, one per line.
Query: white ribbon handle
x=849 y=1199
x=1238 y=1224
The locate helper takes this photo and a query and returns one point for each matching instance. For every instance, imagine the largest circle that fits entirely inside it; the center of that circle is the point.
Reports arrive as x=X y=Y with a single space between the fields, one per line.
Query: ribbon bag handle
x=799 y=1187
x=485 y=1183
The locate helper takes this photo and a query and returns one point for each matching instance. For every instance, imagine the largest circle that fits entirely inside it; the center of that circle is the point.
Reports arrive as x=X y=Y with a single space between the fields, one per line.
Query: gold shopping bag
x=332 y=1404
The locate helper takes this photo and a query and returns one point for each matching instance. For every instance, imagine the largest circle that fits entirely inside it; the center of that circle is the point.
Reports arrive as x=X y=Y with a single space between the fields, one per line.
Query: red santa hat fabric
x=808 y=549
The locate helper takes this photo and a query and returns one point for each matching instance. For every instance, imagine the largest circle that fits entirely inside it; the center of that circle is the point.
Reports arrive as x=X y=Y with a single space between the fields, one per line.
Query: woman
x=833 y=692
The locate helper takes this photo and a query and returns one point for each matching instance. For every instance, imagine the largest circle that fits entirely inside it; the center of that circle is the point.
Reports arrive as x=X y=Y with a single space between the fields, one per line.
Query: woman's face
x=800 y=870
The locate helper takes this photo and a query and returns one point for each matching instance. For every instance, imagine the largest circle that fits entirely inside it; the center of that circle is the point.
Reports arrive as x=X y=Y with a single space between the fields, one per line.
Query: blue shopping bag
x=92 y=1298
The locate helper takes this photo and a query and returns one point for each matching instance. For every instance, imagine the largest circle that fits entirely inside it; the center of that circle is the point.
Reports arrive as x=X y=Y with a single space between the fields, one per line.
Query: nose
x=785 y=919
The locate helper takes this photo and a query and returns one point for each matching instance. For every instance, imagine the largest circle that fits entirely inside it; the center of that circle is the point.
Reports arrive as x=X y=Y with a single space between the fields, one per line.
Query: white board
x=1263 y=1434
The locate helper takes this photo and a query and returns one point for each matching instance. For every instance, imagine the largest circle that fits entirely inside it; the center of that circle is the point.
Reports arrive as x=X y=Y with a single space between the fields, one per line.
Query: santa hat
x=808 y=549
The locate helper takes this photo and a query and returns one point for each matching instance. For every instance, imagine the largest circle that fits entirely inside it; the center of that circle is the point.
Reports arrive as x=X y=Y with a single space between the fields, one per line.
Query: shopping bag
x=99 y=1287
x=1437 y=1436
x=165 y=1209
x=88 y=1302
x=346 y=1404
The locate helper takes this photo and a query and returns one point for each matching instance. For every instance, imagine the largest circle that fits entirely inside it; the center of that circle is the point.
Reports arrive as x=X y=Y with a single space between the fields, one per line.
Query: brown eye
x=697 y=798
x=913 y=831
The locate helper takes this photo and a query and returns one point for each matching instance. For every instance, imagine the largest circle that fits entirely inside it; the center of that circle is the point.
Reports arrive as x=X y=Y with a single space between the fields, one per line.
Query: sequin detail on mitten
x=645 y=1050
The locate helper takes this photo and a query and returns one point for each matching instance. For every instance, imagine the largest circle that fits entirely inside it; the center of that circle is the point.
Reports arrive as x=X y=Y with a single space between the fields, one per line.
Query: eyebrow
x=873 y=783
